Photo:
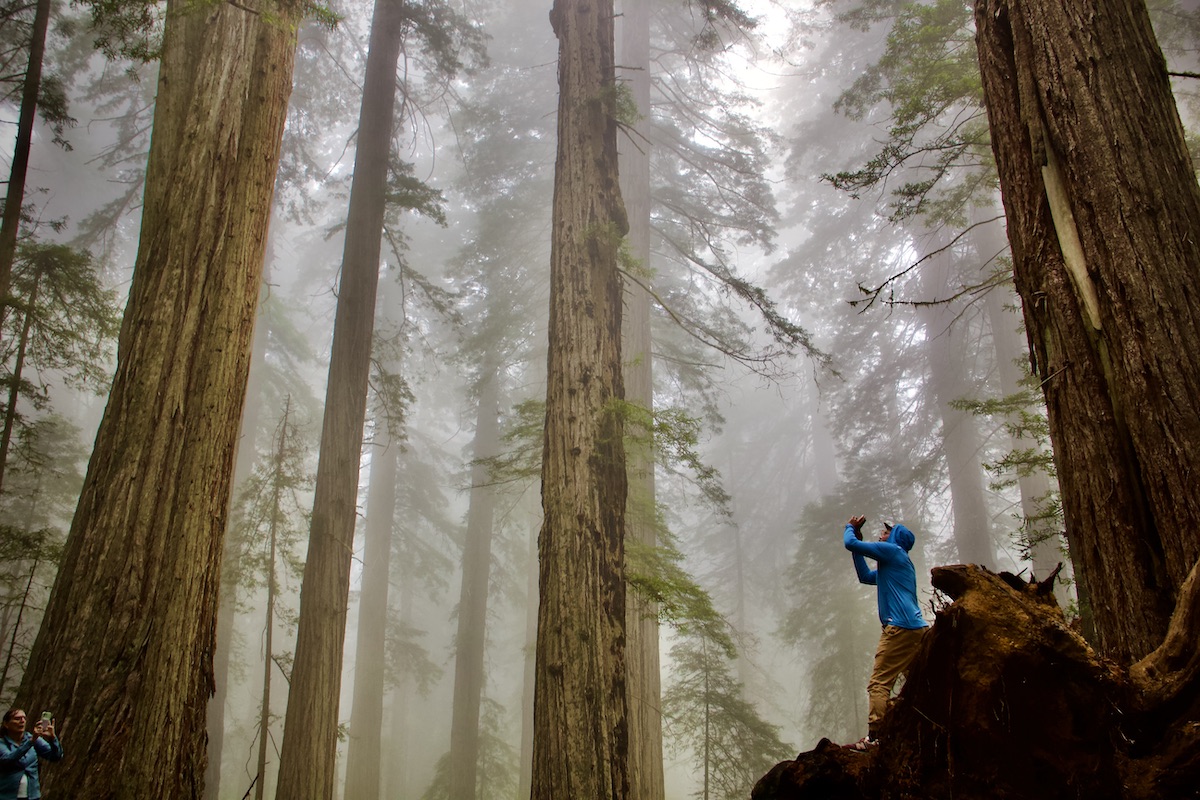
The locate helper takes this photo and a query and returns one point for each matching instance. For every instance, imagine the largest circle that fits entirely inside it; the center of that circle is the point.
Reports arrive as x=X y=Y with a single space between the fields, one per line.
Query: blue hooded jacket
x=894 y=576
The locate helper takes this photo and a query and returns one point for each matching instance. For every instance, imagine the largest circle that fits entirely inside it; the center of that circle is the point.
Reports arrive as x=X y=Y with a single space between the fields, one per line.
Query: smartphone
x=47 y=716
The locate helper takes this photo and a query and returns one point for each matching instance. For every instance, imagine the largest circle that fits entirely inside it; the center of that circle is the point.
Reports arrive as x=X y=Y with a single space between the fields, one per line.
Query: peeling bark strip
x=124 y=656
x=580 y=728
x=1085 y=84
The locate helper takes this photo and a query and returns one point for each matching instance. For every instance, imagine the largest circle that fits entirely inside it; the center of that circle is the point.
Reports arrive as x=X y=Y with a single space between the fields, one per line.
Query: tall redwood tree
x=124 y=655
x=580 y=730
x=1103 y=209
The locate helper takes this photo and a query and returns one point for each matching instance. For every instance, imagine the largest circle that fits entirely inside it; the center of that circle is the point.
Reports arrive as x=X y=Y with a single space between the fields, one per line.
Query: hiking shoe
x=862 y=745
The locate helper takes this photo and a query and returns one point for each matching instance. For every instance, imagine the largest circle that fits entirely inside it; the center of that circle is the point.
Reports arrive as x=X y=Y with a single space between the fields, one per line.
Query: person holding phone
x=21 y=751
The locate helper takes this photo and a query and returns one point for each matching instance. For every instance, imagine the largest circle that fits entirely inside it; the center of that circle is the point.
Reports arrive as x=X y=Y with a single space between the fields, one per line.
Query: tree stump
x=1006 y=702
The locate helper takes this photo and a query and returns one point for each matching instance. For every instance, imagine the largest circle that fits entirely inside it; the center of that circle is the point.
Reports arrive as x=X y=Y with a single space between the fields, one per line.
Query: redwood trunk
x=308 y=757
x=580 y=728
x=131 y=618
x=364 y=753
x=473 y=598
x=641 y=619
x=1082 y=114
x=15 y=196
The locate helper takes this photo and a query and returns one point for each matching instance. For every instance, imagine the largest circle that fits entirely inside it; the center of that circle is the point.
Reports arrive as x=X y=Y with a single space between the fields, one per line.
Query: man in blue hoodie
x=895 y=582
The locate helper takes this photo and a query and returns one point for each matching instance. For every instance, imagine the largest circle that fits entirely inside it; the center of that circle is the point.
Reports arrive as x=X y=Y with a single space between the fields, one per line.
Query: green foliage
x=671 y=433
x=1023 y=416
x=657 y=573
x=406 y=659
x=719 y=16
x=407 y=192
x=41 y=485
x=322 y=14
x=128 y=29
x=705 y=714
x=498 y=772
x=73 y=320
x=627 y=112
x=674 y=436
x=928 y=80
x=270 y=512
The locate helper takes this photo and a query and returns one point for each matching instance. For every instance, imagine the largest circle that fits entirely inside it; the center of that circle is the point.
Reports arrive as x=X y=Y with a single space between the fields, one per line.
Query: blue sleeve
x=51 y=751
x=10 y=759
x=857 y=550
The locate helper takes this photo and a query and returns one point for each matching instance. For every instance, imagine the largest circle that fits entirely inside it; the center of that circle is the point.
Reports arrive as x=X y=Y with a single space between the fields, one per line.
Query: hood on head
x=902 y=536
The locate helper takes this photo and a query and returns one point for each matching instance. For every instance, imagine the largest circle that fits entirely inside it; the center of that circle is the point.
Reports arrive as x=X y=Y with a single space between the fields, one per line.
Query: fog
x=812 y=155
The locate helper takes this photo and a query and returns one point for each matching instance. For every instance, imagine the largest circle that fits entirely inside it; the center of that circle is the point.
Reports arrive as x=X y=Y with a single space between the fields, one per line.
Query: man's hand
x=857 y=523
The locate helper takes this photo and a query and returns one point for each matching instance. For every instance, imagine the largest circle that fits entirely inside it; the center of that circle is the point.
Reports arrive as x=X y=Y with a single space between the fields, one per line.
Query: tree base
x=1006 y=702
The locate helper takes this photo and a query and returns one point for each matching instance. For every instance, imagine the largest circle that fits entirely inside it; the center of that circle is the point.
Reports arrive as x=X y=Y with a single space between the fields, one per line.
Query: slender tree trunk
x=309 y=756
x=473 y=597
x=227 y=603
x=525 y=784
x=641 y=618
x=364 y=752
x=15 y=197
x=14 y=391
x=399 y=773
x=1103 y=209
x=131 y=617
x=277 y=489
x=16 y=626
x=580 y=726
x=946 y=342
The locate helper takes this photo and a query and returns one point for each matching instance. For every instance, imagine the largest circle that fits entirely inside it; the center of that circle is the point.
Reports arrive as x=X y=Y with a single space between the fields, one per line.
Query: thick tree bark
x=308 y=758
x=1102 y=210
x=473 y=595
x=580 y=727
x=131 y=617
x=364 y=752
x=641 y=618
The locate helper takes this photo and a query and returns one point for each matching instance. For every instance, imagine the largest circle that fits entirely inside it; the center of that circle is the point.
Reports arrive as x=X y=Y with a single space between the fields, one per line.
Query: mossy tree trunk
x=131 y=618
x=580 y=728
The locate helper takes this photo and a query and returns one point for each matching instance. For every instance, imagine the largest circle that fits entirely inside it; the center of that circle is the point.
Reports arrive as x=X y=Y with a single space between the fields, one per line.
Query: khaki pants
x=897 y=649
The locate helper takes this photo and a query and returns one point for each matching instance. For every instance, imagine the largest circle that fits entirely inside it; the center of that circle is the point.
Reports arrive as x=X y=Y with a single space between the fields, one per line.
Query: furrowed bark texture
x=308 y=758
x=580 y=728
x=125 y=652
x=1081 y=111
x=644 y=688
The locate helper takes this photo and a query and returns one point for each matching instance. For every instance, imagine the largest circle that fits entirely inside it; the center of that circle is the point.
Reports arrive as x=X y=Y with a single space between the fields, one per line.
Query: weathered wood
x=1005 y=700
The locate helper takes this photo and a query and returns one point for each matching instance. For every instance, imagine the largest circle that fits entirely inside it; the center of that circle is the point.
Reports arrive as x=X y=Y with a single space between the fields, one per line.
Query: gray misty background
x=829 y=155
